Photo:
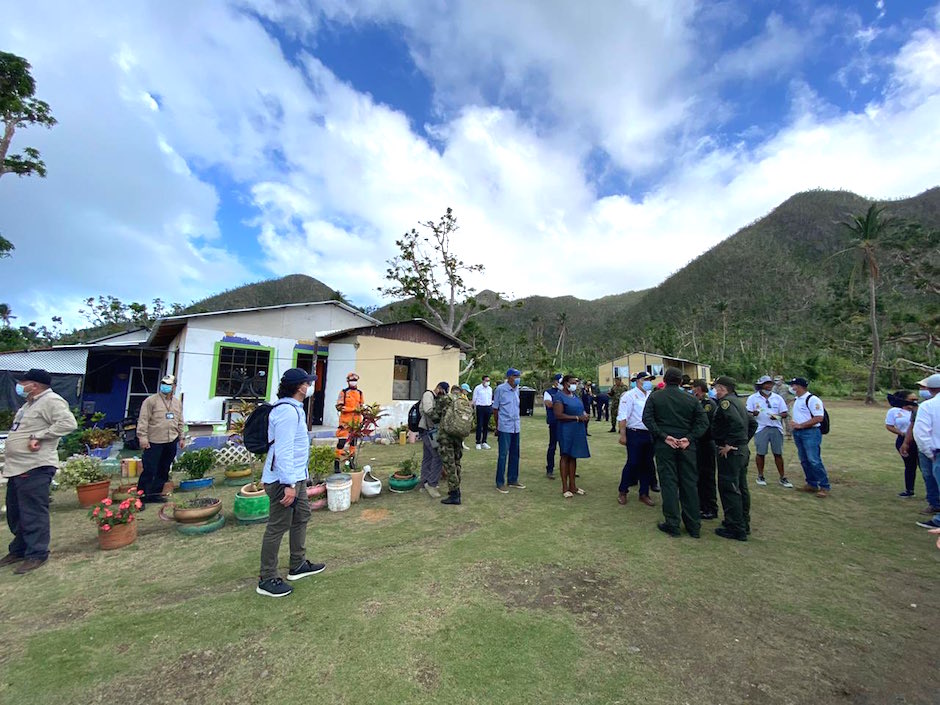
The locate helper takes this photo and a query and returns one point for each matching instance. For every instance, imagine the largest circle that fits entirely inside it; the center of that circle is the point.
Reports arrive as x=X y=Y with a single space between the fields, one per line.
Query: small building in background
x=654 y=363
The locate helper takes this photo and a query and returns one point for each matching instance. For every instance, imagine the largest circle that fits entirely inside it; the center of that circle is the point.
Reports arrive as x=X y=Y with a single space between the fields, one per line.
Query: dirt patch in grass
x=373 y=516
x=727 y=653
x=193 y=677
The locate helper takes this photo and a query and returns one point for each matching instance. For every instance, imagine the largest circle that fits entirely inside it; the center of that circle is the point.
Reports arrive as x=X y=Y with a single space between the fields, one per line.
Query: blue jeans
x=808 y=442
x=508 y=450
x=930 y=469
x=552 y=446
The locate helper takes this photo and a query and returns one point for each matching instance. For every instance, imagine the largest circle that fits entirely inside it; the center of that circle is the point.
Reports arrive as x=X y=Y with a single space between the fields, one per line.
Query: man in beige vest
x=160 y=432
x=31 y=461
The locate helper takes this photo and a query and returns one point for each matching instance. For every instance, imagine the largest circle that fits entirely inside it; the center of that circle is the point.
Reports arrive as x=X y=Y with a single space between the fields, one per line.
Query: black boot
x=452 y=498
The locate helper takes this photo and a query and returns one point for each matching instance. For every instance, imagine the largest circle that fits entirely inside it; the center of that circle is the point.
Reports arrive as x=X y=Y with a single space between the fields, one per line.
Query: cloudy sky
x=202 y=145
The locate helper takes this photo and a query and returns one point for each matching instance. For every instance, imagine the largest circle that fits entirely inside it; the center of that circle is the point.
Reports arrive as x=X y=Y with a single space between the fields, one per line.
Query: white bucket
x=338 y=492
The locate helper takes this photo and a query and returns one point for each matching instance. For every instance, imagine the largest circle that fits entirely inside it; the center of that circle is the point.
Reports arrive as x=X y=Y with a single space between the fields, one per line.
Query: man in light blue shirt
x=285 y=481
x=506 y=408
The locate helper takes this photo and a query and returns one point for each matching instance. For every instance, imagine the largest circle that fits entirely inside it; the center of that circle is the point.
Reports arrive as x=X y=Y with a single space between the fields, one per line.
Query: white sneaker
x=479 y=447
x=486 y=446
x=761 y=481
x=432 y=490
x=465 y=446
x=784 y=482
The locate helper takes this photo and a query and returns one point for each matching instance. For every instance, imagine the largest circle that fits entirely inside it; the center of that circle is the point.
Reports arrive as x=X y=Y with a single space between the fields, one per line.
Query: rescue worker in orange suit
x=348 y=401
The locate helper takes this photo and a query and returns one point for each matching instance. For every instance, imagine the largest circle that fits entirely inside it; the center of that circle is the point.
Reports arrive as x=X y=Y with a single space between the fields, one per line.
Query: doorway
x=311 y=363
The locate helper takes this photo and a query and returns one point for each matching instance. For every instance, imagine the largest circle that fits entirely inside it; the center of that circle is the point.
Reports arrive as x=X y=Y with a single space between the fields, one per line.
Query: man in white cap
x=160 y=433
x=927 y=435
x=769 y=409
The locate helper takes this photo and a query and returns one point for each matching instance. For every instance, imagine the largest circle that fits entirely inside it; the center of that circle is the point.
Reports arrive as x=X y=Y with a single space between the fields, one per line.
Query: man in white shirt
x=927 y=435
x=807 y=415
x=639 y=467
x=770 y=409
x=483 y=403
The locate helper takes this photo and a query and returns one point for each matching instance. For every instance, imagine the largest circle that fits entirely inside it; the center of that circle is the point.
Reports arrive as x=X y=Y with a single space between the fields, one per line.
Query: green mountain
x=292 y=289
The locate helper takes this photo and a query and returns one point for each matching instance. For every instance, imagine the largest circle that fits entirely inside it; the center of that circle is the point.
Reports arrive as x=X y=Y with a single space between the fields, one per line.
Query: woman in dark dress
x=572 y=433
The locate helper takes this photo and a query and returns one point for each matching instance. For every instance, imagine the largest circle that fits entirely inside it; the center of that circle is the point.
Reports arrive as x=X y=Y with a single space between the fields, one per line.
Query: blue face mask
x=165 y=388
x=20 y=391
x=515 y=382
x=647 y=386
x=924 y=393
x=712 y=393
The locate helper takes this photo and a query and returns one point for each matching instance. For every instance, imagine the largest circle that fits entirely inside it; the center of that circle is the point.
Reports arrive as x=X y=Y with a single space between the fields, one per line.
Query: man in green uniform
x=732 y=428
x=705 y=455
x=617 y=391
x=676 y=420
x=450 y=448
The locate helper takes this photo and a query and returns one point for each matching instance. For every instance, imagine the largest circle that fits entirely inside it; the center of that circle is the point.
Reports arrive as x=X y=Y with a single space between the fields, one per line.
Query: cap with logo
x=799 y=381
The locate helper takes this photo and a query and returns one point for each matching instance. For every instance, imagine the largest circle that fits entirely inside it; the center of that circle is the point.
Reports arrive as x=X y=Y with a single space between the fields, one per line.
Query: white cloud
x=158 y=94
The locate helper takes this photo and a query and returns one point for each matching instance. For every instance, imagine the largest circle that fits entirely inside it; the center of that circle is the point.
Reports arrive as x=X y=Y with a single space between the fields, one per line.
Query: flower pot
x=193 y=485
x=356 y=488
x=118 y=536
x=402 y=484
x=252 y=508
x=318 y=504
x=93 y=492
x=371 y=485
x=208 y=508
x=122 y=492
x=249 y=491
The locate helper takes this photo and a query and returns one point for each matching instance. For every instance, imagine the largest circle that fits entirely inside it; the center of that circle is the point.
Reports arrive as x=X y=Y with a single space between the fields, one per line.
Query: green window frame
x=217 y=357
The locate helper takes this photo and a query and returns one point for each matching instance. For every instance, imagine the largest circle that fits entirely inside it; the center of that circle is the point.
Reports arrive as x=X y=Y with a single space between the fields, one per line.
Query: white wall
x=340 y=362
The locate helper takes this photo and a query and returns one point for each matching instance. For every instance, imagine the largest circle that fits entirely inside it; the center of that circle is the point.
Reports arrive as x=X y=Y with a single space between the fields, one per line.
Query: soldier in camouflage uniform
x=618 y=390
x=732 y=429
x=449 y=448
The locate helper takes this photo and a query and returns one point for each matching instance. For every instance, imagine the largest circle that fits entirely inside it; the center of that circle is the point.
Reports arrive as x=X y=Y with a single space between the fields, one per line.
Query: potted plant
x=252 y=505
x=84 y=473
x=319 y=465
x=196 y=515
x=404 y=479
x=362 y=425
x=116 y=521
x=98 y=441
x=235 y=475
x=195 y=464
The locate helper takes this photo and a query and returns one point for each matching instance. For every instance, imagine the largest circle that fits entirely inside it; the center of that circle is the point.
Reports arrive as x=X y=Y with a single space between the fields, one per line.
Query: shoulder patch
x=725 y=404
x=708 y=406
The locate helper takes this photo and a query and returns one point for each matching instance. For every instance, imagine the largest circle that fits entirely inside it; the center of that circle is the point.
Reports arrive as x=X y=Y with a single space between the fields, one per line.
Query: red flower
x=140 y=493
x=95 y=512
x=106 y=502
x=106 y=527
x=109 y=514
x=138 y=503
x=125 y=504
x=130 y=518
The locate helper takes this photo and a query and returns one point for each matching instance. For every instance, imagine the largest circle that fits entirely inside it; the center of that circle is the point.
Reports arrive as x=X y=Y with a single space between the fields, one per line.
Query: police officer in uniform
x=705 y=455
x=615 y=393
x=676 y=421
x=732 y=428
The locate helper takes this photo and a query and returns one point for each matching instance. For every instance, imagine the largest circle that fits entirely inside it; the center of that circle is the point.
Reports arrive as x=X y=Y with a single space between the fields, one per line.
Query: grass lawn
x=519 y=598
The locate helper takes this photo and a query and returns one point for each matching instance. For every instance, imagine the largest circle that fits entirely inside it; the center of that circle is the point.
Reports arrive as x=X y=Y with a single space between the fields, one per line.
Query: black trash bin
x=526 y=401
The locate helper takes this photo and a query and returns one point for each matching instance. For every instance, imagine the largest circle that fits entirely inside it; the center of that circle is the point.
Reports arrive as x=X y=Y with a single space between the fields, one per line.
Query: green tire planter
x=252 y=510
x=399 y=485
x=234 y=482
x=203 y=528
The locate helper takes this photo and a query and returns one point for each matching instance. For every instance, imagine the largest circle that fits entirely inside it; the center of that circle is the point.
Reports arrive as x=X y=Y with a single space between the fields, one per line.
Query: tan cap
x=168 y=379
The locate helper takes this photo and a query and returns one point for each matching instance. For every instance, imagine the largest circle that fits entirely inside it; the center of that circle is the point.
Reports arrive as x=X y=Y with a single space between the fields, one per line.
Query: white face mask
x=486 y=383
x=572 y=387
x=310 y=390
x=791 y=390
x=767 y=392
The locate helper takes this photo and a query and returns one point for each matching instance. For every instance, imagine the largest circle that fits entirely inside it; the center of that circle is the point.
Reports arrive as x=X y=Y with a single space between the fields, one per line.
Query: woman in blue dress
x=572 y=433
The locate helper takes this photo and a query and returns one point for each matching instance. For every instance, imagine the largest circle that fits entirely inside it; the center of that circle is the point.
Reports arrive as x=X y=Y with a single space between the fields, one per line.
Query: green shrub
x=195 y=463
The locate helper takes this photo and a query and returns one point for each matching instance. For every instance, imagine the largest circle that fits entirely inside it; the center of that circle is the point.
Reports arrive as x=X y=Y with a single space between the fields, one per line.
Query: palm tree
x=560 y=345
x=6 y=315
x=867 y=230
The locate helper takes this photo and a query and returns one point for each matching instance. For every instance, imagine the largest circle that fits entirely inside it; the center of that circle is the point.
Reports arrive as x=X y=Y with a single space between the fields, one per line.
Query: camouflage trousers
x=451 y=452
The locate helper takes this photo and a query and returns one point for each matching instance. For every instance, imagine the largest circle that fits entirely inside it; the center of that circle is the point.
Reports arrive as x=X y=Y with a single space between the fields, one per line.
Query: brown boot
x=10 y=559
x=645 y=498
x=28 y=565
x=622 y=498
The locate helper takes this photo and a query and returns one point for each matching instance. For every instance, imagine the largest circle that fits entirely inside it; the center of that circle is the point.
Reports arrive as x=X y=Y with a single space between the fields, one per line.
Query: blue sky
x=205 y=145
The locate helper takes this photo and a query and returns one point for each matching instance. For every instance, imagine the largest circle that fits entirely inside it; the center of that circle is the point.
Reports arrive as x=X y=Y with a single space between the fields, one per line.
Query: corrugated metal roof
x=61 y=361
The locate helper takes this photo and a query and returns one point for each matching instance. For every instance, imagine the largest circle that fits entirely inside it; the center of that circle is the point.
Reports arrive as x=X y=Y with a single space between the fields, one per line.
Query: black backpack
x=414 y=415
x=255 y=435
x=824 y=426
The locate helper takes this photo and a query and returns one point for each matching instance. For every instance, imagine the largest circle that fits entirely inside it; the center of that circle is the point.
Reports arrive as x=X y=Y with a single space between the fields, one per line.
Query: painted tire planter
x=318 y=504
x=206 y=527
x=251 y=508
x=398 y=484
x=193 y=485
x=318 y=490
x=236 y=478
x=100 y=453
x=207 y=509
x=93 y=492
x=119 y=536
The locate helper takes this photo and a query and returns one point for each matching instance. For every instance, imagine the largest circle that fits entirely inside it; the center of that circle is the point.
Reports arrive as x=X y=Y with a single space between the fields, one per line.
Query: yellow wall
x=375 y=359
